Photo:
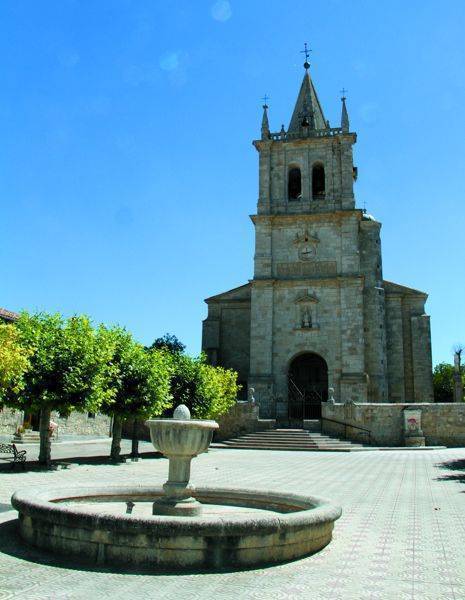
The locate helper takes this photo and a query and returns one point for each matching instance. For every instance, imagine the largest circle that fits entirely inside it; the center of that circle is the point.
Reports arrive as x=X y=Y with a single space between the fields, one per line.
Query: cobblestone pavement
x=401 y=535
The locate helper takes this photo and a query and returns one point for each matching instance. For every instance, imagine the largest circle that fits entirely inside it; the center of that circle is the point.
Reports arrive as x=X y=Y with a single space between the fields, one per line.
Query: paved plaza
x=401 y=535
x=70 y=449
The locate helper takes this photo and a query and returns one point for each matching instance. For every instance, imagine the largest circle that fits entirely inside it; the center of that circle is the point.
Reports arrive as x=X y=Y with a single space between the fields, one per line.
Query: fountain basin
x=179 y=437
x=237 y=528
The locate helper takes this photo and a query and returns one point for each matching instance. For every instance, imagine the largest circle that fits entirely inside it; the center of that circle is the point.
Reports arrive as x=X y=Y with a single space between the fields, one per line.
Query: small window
x=294 y=186
x=91 y=415
x=318 y=182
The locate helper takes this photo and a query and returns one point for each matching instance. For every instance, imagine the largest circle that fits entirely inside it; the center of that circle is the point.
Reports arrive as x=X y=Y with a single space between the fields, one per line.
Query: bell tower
x=307 y=293
x=309 y=167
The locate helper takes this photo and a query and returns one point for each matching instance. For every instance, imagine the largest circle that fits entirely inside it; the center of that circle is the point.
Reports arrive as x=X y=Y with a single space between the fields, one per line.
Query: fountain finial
x=182 y=413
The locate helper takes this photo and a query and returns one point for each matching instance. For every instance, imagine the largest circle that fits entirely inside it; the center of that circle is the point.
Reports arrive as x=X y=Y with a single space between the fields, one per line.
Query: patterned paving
x=401 y=536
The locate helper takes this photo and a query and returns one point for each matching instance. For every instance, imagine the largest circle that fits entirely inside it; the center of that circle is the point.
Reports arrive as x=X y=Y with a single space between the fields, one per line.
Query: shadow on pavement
x=457 y=465
x=66 y=463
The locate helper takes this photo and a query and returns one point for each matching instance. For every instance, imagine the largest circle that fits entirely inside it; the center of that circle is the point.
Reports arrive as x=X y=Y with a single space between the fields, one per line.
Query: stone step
x=271 y=443
x=290 y=448
x=277 y=437
x=288 y=435
x=285 y=439
x=28 y=437
x=296 y=444
x=289 y=439
x=289 y=443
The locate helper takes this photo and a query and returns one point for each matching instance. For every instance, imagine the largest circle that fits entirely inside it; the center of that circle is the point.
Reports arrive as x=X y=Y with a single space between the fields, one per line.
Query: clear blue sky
x=128 y=172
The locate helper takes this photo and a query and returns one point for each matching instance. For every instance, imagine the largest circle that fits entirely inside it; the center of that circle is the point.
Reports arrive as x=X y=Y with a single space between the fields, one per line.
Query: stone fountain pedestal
x=180 y=439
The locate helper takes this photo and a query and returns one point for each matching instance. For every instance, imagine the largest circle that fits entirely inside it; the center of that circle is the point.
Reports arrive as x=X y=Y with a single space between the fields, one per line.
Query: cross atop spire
x=265 y=101
x=343 y=93
x=306 y=51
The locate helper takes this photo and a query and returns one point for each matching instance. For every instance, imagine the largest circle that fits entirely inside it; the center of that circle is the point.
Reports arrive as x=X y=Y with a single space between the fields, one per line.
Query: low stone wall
x=443 y=424
x=76 y=423
x=10 y=420
x=240 y=419
x=82 y=424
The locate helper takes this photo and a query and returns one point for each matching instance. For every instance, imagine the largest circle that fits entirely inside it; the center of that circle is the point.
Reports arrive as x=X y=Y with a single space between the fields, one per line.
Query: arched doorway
x=307 y=387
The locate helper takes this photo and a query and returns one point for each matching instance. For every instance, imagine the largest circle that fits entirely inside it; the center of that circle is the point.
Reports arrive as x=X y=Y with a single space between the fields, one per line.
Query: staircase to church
x=289 y=439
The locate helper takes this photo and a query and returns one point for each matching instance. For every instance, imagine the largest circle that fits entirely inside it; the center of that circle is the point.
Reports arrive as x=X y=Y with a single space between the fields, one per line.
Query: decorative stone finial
x=344 y=113
x=182 y=413
x=331 y=395
x=265 y=124
x=251 y=395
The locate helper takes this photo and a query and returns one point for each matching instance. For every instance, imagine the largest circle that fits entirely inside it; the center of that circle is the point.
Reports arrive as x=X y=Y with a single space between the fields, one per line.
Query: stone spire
x=307 y=111
x=344 y=113
x=265 y=124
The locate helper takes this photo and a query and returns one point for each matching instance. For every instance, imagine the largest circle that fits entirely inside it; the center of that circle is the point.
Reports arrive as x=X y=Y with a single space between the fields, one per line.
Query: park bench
x=9 y=453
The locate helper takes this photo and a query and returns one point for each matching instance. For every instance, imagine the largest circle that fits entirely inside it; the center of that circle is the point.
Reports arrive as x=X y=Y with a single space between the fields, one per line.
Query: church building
x=317 y=318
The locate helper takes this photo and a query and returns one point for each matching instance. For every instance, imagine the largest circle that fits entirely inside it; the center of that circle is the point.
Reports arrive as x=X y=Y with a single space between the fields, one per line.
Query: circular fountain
x=176 y=526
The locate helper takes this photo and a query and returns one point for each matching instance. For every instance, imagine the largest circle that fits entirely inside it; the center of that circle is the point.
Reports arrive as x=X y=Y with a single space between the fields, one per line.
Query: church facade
x=317 y=318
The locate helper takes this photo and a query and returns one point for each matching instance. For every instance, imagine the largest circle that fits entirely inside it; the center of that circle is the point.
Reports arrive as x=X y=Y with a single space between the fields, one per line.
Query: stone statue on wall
x=306 y=318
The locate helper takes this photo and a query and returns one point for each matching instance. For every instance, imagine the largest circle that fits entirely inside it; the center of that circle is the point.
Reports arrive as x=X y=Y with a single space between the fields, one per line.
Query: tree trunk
x=45 y=443
x=116 y=440
x=135 y=441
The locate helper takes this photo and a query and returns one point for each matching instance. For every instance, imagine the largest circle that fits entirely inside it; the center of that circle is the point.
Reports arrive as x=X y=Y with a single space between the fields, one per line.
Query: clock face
x=307 y=251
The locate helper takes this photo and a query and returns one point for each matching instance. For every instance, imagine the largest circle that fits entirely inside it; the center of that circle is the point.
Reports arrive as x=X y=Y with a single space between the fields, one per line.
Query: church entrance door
x=307 y=387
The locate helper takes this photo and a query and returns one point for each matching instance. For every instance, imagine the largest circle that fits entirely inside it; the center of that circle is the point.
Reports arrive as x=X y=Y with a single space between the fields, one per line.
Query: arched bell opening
x=294 y=184
x=318 y=182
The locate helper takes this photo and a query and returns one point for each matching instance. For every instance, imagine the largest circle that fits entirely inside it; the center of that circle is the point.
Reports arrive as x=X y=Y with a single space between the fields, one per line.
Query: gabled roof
x=396 y=288
x=309 y=105
x=8 y=315
x=241 y=293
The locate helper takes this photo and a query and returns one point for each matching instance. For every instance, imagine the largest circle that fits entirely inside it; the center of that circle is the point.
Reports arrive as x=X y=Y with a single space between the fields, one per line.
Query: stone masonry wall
x=10 y=420
x=81 y=424
x=240 y=419
x=443 y=424
x=76 y=423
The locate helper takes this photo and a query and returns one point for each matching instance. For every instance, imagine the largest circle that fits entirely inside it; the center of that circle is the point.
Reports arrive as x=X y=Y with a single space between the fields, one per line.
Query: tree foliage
x=14 y=362
x=49 y=363
x=168 y=342
x=67 y=363
x=66 y=369
x=207 y=391
x=443 y=382
x=139 y=381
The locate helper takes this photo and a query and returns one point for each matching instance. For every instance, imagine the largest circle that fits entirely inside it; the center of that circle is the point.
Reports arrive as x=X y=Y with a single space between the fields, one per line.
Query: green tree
x=139 y=382
x=14 y=362
x=67 y=370
x=168 y=342
x=443 y=382
x=206 y=390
